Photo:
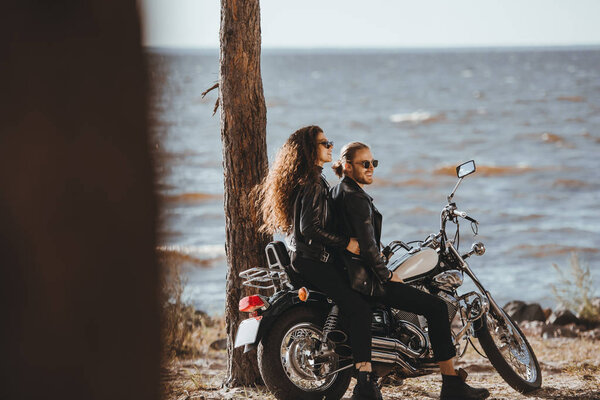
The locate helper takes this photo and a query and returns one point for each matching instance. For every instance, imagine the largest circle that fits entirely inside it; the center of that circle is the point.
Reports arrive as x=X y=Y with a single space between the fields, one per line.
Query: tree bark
x=243 y=133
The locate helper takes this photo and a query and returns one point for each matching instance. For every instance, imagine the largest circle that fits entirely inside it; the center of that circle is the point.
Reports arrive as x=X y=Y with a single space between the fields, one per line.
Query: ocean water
x=530 y=118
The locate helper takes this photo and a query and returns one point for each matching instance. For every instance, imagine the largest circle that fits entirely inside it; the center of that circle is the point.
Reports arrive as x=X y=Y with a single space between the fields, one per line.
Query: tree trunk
x=243 y=133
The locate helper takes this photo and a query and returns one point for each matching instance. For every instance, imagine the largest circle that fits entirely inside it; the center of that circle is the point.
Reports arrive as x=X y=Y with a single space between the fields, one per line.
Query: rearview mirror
x=465 y=169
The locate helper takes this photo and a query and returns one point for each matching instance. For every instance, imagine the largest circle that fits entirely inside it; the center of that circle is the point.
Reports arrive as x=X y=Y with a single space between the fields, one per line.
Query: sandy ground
x=570 y=368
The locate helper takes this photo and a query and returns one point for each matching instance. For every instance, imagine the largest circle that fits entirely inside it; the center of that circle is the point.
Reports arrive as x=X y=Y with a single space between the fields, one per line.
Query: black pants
x=407 y=298
x=355 y=310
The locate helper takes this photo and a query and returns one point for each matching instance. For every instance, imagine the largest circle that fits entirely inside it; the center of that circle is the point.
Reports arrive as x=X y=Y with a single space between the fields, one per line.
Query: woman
x=294 y=199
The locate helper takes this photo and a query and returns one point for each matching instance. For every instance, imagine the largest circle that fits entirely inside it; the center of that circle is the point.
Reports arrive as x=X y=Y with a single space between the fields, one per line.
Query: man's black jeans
x=404 y=297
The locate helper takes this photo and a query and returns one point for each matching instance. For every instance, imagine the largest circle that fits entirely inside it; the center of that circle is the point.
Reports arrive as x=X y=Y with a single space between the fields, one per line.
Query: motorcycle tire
x=525 y=382
x=271 y=360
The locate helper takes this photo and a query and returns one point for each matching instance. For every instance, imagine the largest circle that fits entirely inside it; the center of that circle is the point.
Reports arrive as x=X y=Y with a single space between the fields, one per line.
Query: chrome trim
x=448 y=280
x=338 y=370
x=392 y=358
x=264 y=278
x=378 y=342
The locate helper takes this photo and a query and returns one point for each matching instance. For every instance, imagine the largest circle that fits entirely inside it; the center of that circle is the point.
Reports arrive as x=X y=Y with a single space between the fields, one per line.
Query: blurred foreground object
x=77 y=210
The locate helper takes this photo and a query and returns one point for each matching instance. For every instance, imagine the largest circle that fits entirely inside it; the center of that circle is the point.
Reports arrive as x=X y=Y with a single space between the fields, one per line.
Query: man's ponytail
x=338 y=168
x=347 y=155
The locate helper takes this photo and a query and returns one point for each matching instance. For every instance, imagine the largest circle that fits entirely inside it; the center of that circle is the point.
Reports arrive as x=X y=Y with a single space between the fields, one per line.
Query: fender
x=280 y=303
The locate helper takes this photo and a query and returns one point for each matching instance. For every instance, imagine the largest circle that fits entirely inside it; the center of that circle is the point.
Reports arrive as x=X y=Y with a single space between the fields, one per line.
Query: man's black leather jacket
x=356 y=216
x=313 y=232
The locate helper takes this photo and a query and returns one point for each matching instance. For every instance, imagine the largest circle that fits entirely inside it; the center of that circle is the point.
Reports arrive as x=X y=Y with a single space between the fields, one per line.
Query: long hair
x=347 y=155
x=295 y=165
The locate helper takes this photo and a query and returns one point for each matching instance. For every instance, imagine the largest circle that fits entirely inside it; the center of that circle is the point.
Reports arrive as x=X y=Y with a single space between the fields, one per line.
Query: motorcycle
x=303 y=351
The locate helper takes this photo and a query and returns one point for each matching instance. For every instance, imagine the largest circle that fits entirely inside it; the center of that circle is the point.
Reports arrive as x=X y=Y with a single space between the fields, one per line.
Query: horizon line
x=391 y=48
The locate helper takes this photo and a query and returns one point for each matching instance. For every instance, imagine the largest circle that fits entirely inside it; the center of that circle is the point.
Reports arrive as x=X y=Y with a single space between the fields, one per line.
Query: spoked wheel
x=295 y=364
x=509 y=352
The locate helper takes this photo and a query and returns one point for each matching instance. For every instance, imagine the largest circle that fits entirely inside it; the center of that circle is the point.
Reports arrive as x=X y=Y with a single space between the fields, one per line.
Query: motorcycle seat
x=278 y=257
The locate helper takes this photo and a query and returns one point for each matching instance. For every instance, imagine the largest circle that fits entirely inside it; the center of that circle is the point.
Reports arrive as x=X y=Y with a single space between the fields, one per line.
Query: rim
x=304 y=361
x=513 y=347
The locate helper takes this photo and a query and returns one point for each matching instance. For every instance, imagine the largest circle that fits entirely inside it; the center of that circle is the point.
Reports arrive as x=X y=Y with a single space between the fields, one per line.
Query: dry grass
x=575 y=289
x=570 y=369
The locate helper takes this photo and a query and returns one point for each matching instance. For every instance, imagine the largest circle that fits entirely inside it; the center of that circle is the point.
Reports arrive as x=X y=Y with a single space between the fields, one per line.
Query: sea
x=529 y=117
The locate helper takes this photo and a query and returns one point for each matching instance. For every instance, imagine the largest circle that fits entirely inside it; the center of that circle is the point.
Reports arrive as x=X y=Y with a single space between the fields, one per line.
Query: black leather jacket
x=313 y=230
x=357 y=217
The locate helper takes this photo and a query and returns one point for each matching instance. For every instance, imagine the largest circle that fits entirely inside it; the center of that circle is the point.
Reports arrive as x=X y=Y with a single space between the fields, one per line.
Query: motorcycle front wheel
x=293 y=362
x=509 y=352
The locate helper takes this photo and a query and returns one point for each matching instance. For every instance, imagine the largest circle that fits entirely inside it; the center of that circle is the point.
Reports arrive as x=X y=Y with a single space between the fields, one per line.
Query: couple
x=335 y=238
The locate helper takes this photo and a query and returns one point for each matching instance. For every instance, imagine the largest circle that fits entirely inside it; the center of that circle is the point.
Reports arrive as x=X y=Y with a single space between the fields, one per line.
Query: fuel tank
x=414 y=265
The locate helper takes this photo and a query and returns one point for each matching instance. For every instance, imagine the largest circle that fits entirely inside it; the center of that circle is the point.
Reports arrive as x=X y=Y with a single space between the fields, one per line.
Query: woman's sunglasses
x=327 y=144
x=366 y=164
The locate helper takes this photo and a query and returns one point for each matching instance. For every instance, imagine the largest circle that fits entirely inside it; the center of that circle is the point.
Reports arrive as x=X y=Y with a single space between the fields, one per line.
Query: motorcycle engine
x=411 y=335
x=380 y=324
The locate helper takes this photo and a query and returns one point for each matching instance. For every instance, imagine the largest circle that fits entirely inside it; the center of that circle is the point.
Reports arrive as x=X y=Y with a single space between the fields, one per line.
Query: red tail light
x=251 y=303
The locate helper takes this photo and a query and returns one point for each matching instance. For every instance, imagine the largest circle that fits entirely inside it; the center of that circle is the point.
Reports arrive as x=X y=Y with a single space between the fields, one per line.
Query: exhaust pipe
x=389 y=344
x=343 y=350
x=336 y=336
x=392 y=358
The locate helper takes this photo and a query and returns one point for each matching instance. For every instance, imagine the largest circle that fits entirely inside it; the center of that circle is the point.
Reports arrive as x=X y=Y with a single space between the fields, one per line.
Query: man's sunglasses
x=327 y=144
x=366 y=164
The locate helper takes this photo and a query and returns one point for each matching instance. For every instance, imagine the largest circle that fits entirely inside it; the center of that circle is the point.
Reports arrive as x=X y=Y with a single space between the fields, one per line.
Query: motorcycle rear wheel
x=286 y=359
x=509 y=352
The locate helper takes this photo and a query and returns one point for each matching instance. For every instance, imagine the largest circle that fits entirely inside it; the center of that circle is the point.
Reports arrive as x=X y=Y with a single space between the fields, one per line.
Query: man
x=356 y=216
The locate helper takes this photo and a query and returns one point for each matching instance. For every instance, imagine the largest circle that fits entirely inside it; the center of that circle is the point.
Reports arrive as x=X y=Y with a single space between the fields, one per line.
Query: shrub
x=575 y=291
x=180 y=322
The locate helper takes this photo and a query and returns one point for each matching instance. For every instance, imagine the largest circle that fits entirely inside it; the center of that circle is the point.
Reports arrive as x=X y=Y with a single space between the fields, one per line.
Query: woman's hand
x=395 y=278
x=353 y=246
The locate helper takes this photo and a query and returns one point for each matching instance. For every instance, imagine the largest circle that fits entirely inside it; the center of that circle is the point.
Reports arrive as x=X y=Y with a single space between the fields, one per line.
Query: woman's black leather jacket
x=313 y=228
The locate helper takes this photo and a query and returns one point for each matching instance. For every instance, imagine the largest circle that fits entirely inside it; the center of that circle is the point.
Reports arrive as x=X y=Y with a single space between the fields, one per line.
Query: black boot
x=366 y=387
x=454 y=388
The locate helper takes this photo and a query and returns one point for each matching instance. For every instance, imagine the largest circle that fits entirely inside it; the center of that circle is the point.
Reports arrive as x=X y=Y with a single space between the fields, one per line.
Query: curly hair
x=295 y=166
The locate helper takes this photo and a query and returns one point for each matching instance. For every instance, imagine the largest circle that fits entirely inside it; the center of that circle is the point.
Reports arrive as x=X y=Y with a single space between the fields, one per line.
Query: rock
x=563 y=317
x=593 y=334
x=219 y=344
x=533 y=312
x=555 y=331
x=520 y=311
x=591 y=318
x=513 y=308
x=575 y=327
x=532 y=328
x=200 y=317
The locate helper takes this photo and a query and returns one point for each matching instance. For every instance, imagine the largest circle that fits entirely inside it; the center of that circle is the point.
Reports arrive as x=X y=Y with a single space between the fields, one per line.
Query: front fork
x=492 y=305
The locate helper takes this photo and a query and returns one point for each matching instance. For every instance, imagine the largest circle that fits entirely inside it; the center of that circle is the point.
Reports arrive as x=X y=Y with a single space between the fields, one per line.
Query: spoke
x=512 y=346
x=297 y=355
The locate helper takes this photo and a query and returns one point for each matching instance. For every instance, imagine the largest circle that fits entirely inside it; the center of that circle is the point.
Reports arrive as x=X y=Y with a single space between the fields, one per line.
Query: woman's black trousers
x=356 y=311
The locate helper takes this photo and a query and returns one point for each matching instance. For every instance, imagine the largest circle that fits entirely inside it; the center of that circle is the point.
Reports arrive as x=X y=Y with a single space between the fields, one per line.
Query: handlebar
x=457 y=213
x=462 y=214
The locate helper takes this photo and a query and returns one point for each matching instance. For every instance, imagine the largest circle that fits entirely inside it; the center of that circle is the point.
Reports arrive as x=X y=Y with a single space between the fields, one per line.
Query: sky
x=382 y=23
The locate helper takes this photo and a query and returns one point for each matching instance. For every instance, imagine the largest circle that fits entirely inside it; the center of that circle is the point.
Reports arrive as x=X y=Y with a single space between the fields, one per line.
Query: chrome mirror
x=465 y=169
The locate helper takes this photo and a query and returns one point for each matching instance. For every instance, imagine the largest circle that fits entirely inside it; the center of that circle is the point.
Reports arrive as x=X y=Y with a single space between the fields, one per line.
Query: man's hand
x=395 y=278
x=353 y=246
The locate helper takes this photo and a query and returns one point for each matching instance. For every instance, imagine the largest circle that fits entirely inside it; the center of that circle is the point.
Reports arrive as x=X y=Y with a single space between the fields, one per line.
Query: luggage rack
x=274 y=277
x=265 y=278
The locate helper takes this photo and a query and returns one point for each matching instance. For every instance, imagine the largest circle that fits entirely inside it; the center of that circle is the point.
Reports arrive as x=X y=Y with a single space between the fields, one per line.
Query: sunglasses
x=367 y=164
x=327 y=144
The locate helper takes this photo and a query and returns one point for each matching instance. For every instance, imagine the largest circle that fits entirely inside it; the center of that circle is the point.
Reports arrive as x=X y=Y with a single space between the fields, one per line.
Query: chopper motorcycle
x=303 y=351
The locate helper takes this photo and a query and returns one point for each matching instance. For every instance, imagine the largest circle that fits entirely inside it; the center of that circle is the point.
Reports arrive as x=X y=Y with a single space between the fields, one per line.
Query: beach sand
x=570 y=368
